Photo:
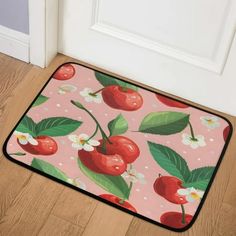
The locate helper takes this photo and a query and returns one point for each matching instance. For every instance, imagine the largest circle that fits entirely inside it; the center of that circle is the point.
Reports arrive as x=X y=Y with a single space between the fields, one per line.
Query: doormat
x=122 y=143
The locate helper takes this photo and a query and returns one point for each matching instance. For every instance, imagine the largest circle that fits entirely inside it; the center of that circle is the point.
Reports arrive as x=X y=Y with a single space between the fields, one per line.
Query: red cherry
x=226 y=133
x=170 y=102
x=46 y=146
x=167 y=187
x=118 y=201
x=65 y=72
x=122 y=98
x=174 y=219
x=123 y=146
x=103 y=163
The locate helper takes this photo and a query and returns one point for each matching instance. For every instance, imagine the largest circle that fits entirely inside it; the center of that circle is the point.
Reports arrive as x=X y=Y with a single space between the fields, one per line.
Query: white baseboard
x=14 y=43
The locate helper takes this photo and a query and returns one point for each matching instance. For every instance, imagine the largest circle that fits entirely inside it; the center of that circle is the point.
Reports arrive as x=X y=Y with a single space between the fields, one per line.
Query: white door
x=184 y=47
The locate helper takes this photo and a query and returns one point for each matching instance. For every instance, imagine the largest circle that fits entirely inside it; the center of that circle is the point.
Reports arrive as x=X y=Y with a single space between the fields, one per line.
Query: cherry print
x=167 y=187
x=175 y=219
x=122 y=98
x=170 y=102
x=65 y=72
x=118 y=201
x=46 y=146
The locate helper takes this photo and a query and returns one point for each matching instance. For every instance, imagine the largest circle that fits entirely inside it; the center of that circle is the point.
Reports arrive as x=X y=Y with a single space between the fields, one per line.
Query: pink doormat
x=142 y=152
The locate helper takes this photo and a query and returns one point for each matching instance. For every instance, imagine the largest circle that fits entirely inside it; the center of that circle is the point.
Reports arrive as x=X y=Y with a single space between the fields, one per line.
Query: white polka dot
x=106 y=114
x=211 y=139
x=60 y=164
x=66 y=110
x=72 y=158
x=91 y=111
x=58 y=105
x=145 y=198
x=146 y=167
x=148 y=212
x=161 y=206
x=79 y=117
x=199 y=159
x=184 y=152
x=137 y=190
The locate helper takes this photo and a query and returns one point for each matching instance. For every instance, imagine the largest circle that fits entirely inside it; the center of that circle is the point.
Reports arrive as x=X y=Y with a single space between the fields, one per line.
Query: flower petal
x=88 y=147
x=93 y=142
x=183 y=191
x=83 y=137
x=73 y=137
x=189 y=198
x=33 y=141
x=77 y=146
x=23 y=141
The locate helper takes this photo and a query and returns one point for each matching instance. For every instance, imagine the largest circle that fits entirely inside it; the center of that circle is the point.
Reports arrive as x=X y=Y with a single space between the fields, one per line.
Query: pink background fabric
x=143 y=196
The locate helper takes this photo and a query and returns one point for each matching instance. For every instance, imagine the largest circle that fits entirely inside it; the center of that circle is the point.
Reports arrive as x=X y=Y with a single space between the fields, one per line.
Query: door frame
x=43 y=31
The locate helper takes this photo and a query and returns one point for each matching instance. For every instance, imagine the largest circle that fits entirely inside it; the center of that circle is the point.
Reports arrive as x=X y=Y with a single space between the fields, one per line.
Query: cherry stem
x=192 y=132
x=95 y=132
x=159 y=175
x=80 y=106
x=93 y=94
x=17 y=154
x=183 y=214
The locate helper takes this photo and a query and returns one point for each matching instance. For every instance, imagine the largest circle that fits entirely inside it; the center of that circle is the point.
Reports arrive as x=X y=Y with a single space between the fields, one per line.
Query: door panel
x=183 y=47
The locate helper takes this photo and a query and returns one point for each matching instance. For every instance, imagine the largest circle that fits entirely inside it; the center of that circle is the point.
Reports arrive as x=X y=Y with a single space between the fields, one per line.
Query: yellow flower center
x=82 y=141
x=210 y=121
x=21 y=137
x=195 y=196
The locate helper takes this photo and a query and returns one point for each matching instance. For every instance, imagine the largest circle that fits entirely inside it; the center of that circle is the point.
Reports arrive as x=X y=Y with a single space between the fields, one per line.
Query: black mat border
x=4 y=149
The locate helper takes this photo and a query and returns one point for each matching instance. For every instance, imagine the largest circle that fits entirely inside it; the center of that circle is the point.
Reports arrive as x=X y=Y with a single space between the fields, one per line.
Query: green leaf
x=164 y=123
x=27 y=125
x=107 y=80
x=57 y=126
x=118 y=126
x=40 y=100
x=170 y=161
x=112 y=184
x=48 y=169
x=199 y=178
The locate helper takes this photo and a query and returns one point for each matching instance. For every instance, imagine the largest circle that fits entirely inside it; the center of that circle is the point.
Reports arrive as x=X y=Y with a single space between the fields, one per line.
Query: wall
x=14 y=15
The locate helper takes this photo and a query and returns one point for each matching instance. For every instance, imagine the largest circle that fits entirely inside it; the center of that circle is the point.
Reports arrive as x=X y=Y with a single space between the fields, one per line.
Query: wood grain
x=34 y=205
x=58 y=227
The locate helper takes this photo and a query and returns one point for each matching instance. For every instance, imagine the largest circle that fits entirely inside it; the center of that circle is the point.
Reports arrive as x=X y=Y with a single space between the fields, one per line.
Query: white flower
x=191 y=194
x=25 y=138
x=210 y=122
x=199 y=141
x=77 y=182
x=89 y=96
x=133 y=176
x=66 y=88
x=83 y=142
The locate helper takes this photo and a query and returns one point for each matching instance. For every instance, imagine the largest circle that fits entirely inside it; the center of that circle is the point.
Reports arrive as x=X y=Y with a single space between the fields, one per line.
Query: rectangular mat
x=131 y=147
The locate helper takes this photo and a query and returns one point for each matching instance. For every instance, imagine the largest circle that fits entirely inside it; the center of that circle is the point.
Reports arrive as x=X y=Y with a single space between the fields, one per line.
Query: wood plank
x=31 y=207
x=226 y=223
x=74 y=207
x=140 y=227
x=13 y=179
x=58 y=227
x=107 y=221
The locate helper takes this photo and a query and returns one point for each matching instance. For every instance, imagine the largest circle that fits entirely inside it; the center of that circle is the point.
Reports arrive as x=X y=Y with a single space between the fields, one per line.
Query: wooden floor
x=34 y=205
